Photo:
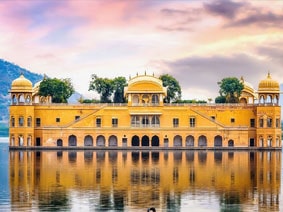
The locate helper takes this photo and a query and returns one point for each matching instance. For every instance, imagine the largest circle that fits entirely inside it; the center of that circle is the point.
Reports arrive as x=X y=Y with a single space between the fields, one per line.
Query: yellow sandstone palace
x=145 y=121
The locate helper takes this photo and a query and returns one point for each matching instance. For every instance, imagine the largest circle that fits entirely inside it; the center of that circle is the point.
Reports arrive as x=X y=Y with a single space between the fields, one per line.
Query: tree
x=119 y=84
x=59 y=90
x=173 y=88
x=230 y=88
x=103 y=86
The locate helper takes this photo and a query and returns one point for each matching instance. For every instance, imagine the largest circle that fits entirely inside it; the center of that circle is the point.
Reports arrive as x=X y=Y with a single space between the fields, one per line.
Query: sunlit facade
x=145 y=121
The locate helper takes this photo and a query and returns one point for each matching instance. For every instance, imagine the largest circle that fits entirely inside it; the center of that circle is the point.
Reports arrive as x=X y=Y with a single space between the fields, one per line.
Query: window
x=145 y=121
x=58 y=120
x=232 y=120
x=175 y=122
x=21 y=121
x=269 y=122
x=77 y=118
x=155 y=121
x=135 y=121
x=37 y=122
x=192 y=122
x=213 y=117
x=12 y=121
x=98 y=122
x=260 y=122
x=29 y=121
x=252 y=123
x=114 y=122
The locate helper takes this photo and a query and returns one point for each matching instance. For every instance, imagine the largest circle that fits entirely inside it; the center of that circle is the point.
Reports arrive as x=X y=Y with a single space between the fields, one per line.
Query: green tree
x=59 y=89
x=103 y=86
x=119 y=84
x=231 y=88
x=174 y=92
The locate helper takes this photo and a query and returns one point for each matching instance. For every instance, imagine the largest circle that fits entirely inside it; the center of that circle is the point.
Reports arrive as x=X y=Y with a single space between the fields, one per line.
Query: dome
x=248 y=88
x=268 y=85
x=21 y=84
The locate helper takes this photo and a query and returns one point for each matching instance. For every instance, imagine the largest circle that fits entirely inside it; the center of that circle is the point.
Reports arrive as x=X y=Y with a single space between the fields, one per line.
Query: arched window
x=202 y=141
x=145 y=121
x=21 y=98
x=29 y=121
x=14 y=100
x=177 y=141
x=21 y=121
x=135 y=100
x=113 y=140
x=217 y=141
x=88 y=141
x=190 y=140
x=154 y=99
x=155 y=121
x=72 y=140
x=12 y=124
x=100 y=140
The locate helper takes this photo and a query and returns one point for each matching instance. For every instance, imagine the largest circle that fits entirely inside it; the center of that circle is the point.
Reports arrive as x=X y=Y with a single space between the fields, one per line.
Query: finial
x=268 y=75
x=129 y=76
x=242 y=78
x=153 y=74
x=145 y=72
x=137 y=74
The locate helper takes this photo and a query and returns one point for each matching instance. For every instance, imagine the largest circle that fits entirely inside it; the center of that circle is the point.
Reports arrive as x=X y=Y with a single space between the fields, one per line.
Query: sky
x=197 y=42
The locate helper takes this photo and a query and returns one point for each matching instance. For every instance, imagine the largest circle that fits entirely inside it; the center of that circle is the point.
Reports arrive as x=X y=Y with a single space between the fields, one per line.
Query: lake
x=137 y=180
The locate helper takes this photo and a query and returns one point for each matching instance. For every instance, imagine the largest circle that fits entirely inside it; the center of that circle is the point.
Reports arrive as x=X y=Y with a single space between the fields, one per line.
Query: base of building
x=77 y=148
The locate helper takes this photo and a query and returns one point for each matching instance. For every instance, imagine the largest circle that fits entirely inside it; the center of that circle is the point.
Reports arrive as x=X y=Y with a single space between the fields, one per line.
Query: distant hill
x=9 y=72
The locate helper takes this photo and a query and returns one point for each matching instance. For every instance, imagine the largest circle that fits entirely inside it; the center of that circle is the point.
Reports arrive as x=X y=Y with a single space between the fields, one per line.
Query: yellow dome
x=21 y=84
x=268 y=85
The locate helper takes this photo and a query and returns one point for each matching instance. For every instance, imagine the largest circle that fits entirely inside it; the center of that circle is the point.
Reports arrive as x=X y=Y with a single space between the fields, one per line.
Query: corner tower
x=21 y=113
x=268 y=113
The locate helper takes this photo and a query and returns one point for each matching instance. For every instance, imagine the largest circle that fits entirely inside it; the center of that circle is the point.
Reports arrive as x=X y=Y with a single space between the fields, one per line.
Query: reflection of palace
x=120 y=179
x=145 y=121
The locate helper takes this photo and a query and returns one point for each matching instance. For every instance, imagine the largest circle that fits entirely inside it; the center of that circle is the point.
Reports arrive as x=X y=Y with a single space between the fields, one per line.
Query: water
x=135 y=181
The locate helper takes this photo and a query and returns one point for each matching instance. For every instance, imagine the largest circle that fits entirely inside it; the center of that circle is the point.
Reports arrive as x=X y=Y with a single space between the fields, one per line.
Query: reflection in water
x=128 y=180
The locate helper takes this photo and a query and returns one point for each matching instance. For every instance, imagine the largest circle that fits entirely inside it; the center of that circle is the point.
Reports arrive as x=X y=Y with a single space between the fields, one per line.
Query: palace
x=145 y=121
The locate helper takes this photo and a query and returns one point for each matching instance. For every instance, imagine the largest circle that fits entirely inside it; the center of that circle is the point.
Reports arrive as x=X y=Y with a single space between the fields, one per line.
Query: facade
x=145 y=121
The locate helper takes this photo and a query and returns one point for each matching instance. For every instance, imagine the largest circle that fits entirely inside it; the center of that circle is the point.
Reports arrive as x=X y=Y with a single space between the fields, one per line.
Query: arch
x=217 y=141
x=145 y=140
x=202 y=141
x=145 y=99
x=135 y=141
x=59 y=142
x=12 y=140
x=135 y=100
x=72 y=141
x=269 y=141
x=28 y=99
x=113 y=141
x=145 y=121
x=88 y=140
x=29 y=140
x=243 y=100
x=21 y=140
x=230 y=143
x=155 y=141
x=154 y=99
x=29 y=121
x=14 y=99
x=177 y=141
x=190 y=140
x=21 y=98
x=100 y=140
x=155 y=121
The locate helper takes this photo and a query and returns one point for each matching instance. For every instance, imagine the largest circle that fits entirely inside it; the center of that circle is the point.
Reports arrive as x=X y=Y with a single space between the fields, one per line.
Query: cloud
x=203 y=73
x=227 y=9
x=259 y=19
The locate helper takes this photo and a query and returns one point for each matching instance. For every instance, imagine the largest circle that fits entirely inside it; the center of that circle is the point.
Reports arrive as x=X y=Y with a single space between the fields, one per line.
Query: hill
x=9 y=72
